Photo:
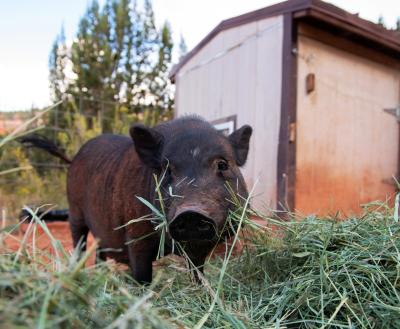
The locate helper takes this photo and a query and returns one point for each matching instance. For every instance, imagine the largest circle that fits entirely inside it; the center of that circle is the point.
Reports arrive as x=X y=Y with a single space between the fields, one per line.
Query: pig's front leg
x=141 y=255
x=196 y=266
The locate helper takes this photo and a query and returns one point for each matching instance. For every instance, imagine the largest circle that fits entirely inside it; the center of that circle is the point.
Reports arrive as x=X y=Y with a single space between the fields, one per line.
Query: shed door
x=347 y=145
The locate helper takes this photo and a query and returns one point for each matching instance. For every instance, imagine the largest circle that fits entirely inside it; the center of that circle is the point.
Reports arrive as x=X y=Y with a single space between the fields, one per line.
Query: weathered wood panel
x=239 y=73
x=346 y=145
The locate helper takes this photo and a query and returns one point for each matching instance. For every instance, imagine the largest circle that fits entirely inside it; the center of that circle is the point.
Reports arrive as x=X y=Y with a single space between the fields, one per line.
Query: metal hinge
x=395 y=112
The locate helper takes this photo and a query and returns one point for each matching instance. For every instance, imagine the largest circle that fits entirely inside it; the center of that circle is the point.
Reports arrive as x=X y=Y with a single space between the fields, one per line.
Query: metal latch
x=395 y=112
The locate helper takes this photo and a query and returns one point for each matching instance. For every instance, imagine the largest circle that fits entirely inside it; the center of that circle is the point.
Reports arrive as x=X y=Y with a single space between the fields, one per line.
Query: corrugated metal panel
x=346 y=144
x=239 y=73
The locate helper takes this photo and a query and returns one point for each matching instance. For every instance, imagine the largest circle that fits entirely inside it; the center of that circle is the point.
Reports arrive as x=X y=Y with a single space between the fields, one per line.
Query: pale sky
x=29 y=27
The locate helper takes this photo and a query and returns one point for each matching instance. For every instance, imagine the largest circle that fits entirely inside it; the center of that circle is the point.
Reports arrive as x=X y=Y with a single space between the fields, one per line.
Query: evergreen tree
x=57 y=64
x=120 y=62
x=381 y=20
x=160 y=99
x=182 y=47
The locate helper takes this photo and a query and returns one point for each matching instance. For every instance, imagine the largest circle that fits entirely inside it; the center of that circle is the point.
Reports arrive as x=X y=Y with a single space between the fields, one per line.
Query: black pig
x=196 y=162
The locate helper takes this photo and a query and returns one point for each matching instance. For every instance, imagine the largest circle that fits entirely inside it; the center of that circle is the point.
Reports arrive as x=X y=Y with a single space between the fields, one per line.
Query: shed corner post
x=286 y=167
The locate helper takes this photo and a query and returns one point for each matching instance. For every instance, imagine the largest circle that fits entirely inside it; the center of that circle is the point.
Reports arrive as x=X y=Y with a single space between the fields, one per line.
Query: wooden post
x=287 y=144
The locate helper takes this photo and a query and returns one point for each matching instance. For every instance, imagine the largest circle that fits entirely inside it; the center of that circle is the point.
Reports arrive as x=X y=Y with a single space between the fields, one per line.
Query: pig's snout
x=192 y=225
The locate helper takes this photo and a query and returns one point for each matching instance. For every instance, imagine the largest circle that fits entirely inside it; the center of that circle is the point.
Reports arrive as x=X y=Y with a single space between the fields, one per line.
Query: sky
x=28 y=29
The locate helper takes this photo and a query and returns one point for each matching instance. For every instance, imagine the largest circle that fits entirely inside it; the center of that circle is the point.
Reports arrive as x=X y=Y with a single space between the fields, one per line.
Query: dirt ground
x=60 y=231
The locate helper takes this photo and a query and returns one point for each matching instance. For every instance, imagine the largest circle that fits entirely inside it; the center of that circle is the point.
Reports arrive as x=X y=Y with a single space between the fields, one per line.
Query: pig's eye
x=222 y=165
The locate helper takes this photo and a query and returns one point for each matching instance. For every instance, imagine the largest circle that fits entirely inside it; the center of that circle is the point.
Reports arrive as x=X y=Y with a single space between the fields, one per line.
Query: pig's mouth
x=192 y=225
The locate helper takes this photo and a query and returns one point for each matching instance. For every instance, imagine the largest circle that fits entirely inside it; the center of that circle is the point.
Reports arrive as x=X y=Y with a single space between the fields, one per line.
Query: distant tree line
x=112 y=74
x=117 y=66
x=381 y=21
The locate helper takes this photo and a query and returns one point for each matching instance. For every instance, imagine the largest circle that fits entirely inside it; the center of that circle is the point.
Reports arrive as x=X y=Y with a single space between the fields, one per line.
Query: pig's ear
x=148 y=144
x=240 y=142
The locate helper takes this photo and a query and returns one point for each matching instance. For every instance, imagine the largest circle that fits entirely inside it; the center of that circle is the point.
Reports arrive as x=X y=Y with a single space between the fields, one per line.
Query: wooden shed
x=321 y=88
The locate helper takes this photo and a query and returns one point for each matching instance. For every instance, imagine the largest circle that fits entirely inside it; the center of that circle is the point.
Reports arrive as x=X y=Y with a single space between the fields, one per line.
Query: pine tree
x=182 y=47
x=57 y=66
x=159 y=84
x=58 y=63
x=120 y=62
x=381 y=20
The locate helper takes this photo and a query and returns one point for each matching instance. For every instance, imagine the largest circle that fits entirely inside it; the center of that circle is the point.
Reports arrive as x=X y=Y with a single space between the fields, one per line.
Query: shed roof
x=316 y=12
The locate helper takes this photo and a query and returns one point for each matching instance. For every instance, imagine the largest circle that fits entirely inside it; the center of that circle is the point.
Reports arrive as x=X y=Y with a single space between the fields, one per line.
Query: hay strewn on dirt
x=321 y=274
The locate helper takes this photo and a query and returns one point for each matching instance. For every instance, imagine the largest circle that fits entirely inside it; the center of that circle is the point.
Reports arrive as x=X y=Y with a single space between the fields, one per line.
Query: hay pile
x=321 y=274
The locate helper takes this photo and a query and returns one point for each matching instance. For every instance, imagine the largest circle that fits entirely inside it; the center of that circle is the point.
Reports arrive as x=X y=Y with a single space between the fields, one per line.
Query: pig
x=194 y=163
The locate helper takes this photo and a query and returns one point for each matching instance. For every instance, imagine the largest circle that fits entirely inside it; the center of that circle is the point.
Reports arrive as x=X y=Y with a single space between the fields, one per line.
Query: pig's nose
x=192 y=225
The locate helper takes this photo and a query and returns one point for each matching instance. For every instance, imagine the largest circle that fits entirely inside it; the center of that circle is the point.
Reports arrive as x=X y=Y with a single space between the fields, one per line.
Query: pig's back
x=96 y=160
x=103 y=180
